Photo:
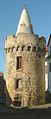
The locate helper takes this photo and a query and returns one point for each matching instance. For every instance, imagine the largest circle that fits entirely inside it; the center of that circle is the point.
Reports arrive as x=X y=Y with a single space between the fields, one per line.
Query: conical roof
x=24 y=25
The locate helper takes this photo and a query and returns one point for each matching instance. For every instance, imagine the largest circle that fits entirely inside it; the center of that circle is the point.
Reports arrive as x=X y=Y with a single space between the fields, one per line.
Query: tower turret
x=25 y=65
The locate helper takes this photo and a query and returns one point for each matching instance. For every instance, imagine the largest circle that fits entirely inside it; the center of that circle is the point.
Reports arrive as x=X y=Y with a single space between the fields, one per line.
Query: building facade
x=46 y=71
x=48 y=60
x=25 y=65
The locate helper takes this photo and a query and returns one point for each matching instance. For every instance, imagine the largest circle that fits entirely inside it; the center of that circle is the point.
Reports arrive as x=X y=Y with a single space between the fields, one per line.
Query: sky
x=10 y=11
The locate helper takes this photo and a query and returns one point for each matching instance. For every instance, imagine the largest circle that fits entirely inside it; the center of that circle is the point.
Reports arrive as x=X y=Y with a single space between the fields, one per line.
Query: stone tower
x=25 y=65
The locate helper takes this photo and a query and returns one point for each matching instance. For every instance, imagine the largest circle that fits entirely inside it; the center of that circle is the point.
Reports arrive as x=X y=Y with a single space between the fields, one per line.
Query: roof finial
x=24 y=6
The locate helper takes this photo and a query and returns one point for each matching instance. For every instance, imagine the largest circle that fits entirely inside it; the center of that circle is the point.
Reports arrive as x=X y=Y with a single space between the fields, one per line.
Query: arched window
x=29 y=48
x=17 y=49
x=23 y=47
x=34 y=48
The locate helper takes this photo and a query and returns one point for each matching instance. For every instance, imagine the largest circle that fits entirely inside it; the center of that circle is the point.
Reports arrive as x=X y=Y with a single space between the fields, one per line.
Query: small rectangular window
x=19 y=62
x=18 y=83
x=50 y=67
x=18 y=100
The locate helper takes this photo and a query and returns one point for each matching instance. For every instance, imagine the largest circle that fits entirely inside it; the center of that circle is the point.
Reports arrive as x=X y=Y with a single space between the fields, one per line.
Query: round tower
x=25 y=65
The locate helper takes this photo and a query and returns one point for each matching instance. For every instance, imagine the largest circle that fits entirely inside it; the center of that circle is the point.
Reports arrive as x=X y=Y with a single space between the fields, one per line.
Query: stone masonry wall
x=32 y=91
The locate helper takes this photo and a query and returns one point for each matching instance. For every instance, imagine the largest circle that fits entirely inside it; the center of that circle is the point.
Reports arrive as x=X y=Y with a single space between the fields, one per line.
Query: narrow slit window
x=19 y=63
x=23 y=48
x=17 y=84
x=17 y=49
x=29 y=48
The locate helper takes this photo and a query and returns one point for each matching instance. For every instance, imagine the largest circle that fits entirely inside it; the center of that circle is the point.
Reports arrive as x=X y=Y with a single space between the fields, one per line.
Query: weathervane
x=24 y=3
